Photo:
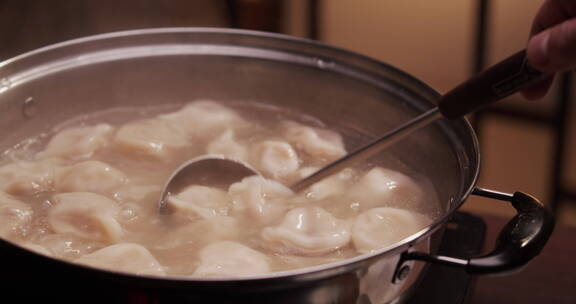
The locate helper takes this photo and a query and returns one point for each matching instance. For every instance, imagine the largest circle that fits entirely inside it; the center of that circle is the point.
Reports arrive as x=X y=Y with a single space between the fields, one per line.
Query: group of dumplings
x=89 y=196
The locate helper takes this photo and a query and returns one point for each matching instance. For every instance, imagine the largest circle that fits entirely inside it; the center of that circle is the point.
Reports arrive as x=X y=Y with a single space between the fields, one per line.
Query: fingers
x=554 y=49
x=538 y=90
x=553 y=43
x=551 y=13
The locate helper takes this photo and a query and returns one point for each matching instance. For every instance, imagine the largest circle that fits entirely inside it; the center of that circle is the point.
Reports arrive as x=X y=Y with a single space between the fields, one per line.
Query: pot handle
x=520 y=240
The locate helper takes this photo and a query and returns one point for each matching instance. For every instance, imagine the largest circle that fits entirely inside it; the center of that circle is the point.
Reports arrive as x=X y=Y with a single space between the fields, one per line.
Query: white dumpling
x=230 y=259
x=260 y=200
x=201 y=232
x=154 y=138
x=36 y=248
x=227 y=146
x=137 y=193
x=306 y=171
x=320 y=143
x=139 y=207
x=308 y=230
x=380 y=227
x=125 y=257
x=200 y=201
x=78 y=142
x=205 y=119
x=276 y=159
x=29 y=178
x=68 y=246
x=90 y=176
x=87 y=215
x=14 y=215
x=384 y=187
x=330 y=186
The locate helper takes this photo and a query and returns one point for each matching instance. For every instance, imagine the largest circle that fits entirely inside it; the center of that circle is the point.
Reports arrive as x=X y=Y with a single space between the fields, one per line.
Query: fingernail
x=538 y=50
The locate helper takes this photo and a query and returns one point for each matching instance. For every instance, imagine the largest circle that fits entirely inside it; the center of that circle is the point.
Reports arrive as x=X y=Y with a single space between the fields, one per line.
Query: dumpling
x=306 y=171
x=316 y=142
x=68 y=246
x=77 y=143
x=36 y=248
x=14 y=215
x=205 y=119
x=125 y=257
x=87 y=215
x=29 y=178
x=230 y=259
x=200 y=201
x=260 y=200
x=180 y=246
x=226 y=145
x=380 y=227
x=384 y=187
x=138 y=203
x=201 y=232
x=154 y=138
x=276 y=159
x=330 y=186
x=308 y=230
x=138 y=193
x=90 y=176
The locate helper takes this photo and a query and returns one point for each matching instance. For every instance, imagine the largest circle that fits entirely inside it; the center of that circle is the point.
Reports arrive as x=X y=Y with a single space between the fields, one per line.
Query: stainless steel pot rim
x=347 y=263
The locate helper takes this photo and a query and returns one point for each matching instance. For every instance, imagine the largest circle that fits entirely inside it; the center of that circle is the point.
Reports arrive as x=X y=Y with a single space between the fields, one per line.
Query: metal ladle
x=499 y=81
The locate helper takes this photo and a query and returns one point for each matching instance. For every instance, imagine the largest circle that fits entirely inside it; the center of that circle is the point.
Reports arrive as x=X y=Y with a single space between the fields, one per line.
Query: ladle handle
x=501 y=80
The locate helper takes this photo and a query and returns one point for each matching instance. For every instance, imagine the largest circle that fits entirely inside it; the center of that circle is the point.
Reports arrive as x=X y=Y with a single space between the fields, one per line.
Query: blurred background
x=526 y=145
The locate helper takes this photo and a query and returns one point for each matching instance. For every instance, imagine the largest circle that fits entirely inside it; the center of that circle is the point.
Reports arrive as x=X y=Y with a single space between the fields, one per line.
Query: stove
x=464 y=237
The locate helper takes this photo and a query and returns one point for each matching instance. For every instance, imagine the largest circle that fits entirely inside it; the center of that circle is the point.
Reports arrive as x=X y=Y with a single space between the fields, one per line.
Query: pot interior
x=350 y=93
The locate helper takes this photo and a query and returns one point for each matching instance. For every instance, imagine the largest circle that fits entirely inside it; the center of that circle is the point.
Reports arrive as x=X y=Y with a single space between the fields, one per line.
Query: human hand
x=552 y=44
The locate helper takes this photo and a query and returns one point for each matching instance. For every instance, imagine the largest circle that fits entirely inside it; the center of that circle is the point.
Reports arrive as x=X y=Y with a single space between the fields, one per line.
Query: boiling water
x=175 y=241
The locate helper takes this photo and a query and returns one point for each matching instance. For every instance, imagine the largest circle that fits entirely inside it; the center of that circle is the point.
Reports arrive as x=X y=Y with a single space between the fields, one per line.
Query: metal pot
x=347 y=91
